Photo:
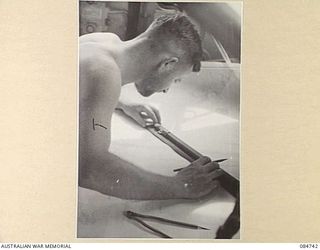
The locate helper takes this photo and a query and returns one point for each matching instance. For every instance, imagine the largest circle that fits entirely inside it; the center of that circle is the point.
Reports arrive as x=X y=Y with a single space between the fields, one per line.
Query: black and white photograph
x=159 y=120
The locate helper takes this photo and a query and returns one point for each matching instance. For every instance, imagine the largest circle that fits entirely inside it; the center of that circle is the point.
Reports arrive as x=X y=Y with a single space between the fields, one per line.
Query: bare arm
x=114 y=176
x=111 y=175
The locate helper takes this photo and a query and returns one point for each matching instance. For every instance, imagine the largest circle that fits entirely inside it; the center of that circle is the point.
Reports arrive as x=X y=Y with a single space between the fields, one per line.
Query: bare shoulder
x=99 y=37
x=95 y=55
x=97 y=62
x=99 y=75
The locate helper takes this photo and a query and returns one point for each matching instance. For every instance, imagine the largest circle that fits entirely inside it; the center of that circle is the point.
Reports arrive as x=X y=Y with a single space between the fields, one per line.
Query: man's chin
x=144 y=93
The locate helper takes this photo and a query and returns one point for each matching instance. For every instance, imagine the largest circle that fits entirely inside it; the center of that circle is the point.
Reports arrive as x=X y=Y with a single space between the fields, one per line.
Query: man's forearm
x=114 y=176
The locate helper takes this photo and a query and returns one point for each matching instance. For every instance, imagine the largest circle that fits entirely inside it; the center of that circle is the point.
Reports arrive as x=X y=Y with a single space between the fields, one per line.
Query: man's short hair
x=179 y=28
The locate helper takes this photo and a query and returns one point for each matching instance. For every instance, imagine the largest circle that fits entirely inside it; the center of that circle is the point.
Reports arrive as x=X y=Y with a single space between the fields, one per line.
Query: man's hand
x=143 y=114
x=198 y=179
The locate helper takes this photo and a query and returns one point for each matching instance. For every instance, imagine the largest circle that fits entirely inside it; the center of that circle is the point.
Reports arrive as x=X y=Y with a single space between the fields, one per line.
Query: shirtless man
x=169 y=48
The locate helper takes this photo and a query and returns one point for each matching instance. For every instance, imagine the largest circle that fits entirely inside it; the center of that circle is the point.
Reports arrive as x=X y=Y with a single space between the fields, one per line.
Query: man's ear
x=169 y=63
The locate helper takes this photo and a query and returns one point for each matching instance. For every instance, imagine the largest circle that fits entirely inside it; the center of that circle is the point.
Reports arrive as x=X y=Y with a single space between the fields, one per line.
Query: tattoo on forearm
x=97 y=124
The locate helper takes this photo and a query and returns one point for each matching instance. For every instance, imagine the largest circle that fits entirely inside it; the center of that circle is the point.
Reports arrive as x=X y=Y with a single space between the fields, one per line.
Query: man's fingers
x=215 y=174
x=210 y=177
x=215 y=184
x=141 y=121
x=201 y=161
x=156 y=112
x=148 y=120
x=143 y=114
x=148 y=113
x=212 y=185
x=209 y=167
